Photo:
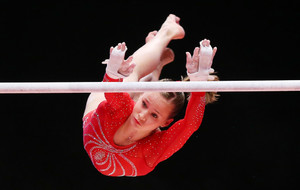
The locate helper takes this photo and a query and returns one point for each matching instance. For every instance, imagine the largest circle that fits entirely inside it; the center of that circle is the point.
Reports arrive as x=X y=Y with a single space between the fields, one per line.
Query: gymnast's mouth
x=137 y=122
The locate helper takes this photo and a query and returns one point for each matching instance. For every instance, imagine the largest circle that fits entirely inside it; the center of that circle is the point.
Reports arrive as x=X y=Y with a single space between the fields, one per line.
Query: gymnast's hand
x=199 y=65
x=117 y=67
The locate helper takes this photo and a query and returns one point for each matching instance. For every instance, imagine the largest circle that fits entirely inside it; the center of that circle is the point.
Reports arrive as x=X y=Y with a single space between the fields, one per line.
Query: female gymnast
x=121 y=131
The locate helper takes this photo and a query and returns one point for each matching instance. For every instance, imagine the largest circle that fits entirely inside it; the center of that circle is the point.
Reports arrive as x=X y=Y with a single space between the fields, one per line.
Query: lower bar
x=88 y=87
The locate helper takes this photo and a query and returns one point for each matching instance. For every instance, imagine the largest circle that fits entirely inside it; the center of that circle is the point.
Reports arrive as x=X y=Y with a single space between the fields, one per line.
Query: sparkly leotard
x=140 y=158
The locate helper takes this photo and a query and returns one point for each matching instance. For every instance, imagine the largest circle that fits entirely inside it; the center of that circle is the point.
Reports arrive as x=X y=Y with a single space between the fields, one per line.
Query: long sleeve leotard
x=140 y=158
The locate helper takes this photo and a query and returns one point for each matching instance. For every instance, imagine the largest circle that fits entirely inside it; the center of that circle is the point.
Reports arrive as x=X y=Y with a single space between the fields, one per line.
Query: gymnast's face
x=151 y=111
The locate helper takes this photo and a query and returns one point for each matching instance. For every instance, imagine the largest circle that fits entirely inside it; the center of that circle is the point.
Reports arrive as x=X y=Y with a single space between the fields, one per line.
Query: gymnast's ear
x=168 y=122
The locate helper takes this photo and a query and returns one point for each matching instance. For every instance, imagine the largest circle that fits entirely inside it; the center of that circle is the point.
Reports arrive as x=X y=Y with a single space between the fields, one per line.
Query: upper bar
x=206 y=86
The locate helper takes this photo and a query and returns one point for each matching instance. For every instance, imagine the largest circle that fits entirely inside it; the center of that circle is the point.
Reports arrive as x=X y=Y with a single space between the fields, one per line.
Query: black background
x=246 y=140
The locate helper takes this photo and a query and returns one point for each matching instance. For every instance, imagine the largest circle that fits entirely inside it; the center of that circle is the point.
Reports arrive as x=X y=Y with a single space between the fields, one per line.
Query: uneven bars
x=88 y=87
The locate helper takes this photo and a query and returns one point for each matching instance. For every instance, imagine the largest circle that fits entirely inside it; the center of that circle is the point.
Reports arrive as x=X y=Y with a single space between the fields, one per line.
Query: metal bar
x=207 y=86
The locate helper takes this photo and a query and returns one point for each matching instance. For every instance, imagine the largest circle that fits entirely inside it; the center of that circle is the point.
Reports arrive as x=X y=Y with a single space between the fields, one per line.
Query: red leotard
x=140 y=158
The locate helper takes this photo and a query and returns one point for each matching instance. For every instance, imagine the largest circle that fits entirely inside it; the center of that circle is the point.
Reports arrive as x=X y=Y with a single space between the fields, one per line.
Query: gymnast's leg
x=147 y=58
x=166 y=57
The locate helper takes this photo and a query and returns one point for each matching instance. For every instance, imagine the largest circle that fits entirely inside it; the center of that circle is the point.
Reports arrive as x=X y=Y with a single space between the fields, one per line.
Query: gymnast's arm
x=198 y=69
x=117 y=68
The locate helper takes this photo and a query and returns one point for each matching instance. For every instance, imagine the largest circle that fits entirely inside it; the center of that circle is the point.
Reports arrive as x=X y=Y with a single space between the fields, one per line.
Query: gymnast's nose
x=142 y=116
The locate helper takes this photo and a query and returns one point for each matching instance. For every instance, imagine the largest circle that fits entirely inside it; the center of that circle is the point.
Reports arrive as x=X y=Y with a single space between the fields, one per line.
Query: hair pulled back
x=178 y=98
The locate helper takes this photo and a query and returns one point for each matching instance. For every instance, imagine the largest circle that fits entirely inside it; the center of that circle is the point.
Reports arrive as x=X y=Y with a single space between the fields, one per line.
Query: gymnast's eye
x=144 y=104
x=154 y=115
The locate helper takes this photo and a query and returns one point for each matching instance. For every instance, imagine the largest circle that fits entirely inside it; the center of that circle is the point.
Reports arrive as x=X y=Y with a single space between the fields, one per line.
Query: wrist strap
x=198 y=76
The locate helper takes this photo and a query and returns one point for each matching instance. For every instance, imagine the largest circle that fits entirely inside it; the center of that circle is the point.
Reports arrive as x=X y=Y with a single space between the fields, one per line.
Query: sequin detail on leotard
x=142 y=157
x=103 y=154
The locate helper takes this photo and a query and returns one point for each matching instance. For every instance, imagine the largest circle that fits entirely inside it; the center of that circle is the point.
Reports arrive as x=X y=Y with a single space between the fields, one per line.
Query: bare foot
x=172 y=27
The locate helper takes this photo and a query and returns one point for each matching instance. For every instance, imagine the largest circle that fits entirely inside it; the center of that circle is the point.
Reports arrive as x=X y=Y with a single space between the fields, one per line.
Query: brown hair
x=210 y=97
x=178 y=98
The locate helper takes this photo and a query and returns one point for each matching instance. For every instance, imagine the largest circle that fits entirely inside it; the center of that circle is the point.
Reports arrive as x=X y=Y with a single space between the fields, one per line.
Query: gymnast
x=123 y=133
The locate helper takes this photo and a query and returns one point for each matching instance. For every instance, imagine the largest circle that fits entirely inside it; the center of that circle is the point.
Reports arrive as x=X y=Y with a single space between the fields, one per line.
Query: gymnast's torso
x=141 y=157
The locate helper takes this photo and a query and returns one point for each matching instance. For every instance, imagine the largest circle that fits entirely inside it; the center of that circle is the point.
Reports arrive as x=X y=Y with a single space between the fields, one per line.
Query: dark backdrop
x=246 y=140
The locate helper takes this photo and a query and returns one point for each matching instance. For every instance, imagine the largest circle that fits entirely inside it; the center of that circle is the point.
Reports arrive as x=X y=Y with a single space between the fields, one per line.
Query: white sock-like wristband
x=205 y=56
x=114 y=63
x=204 y=67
